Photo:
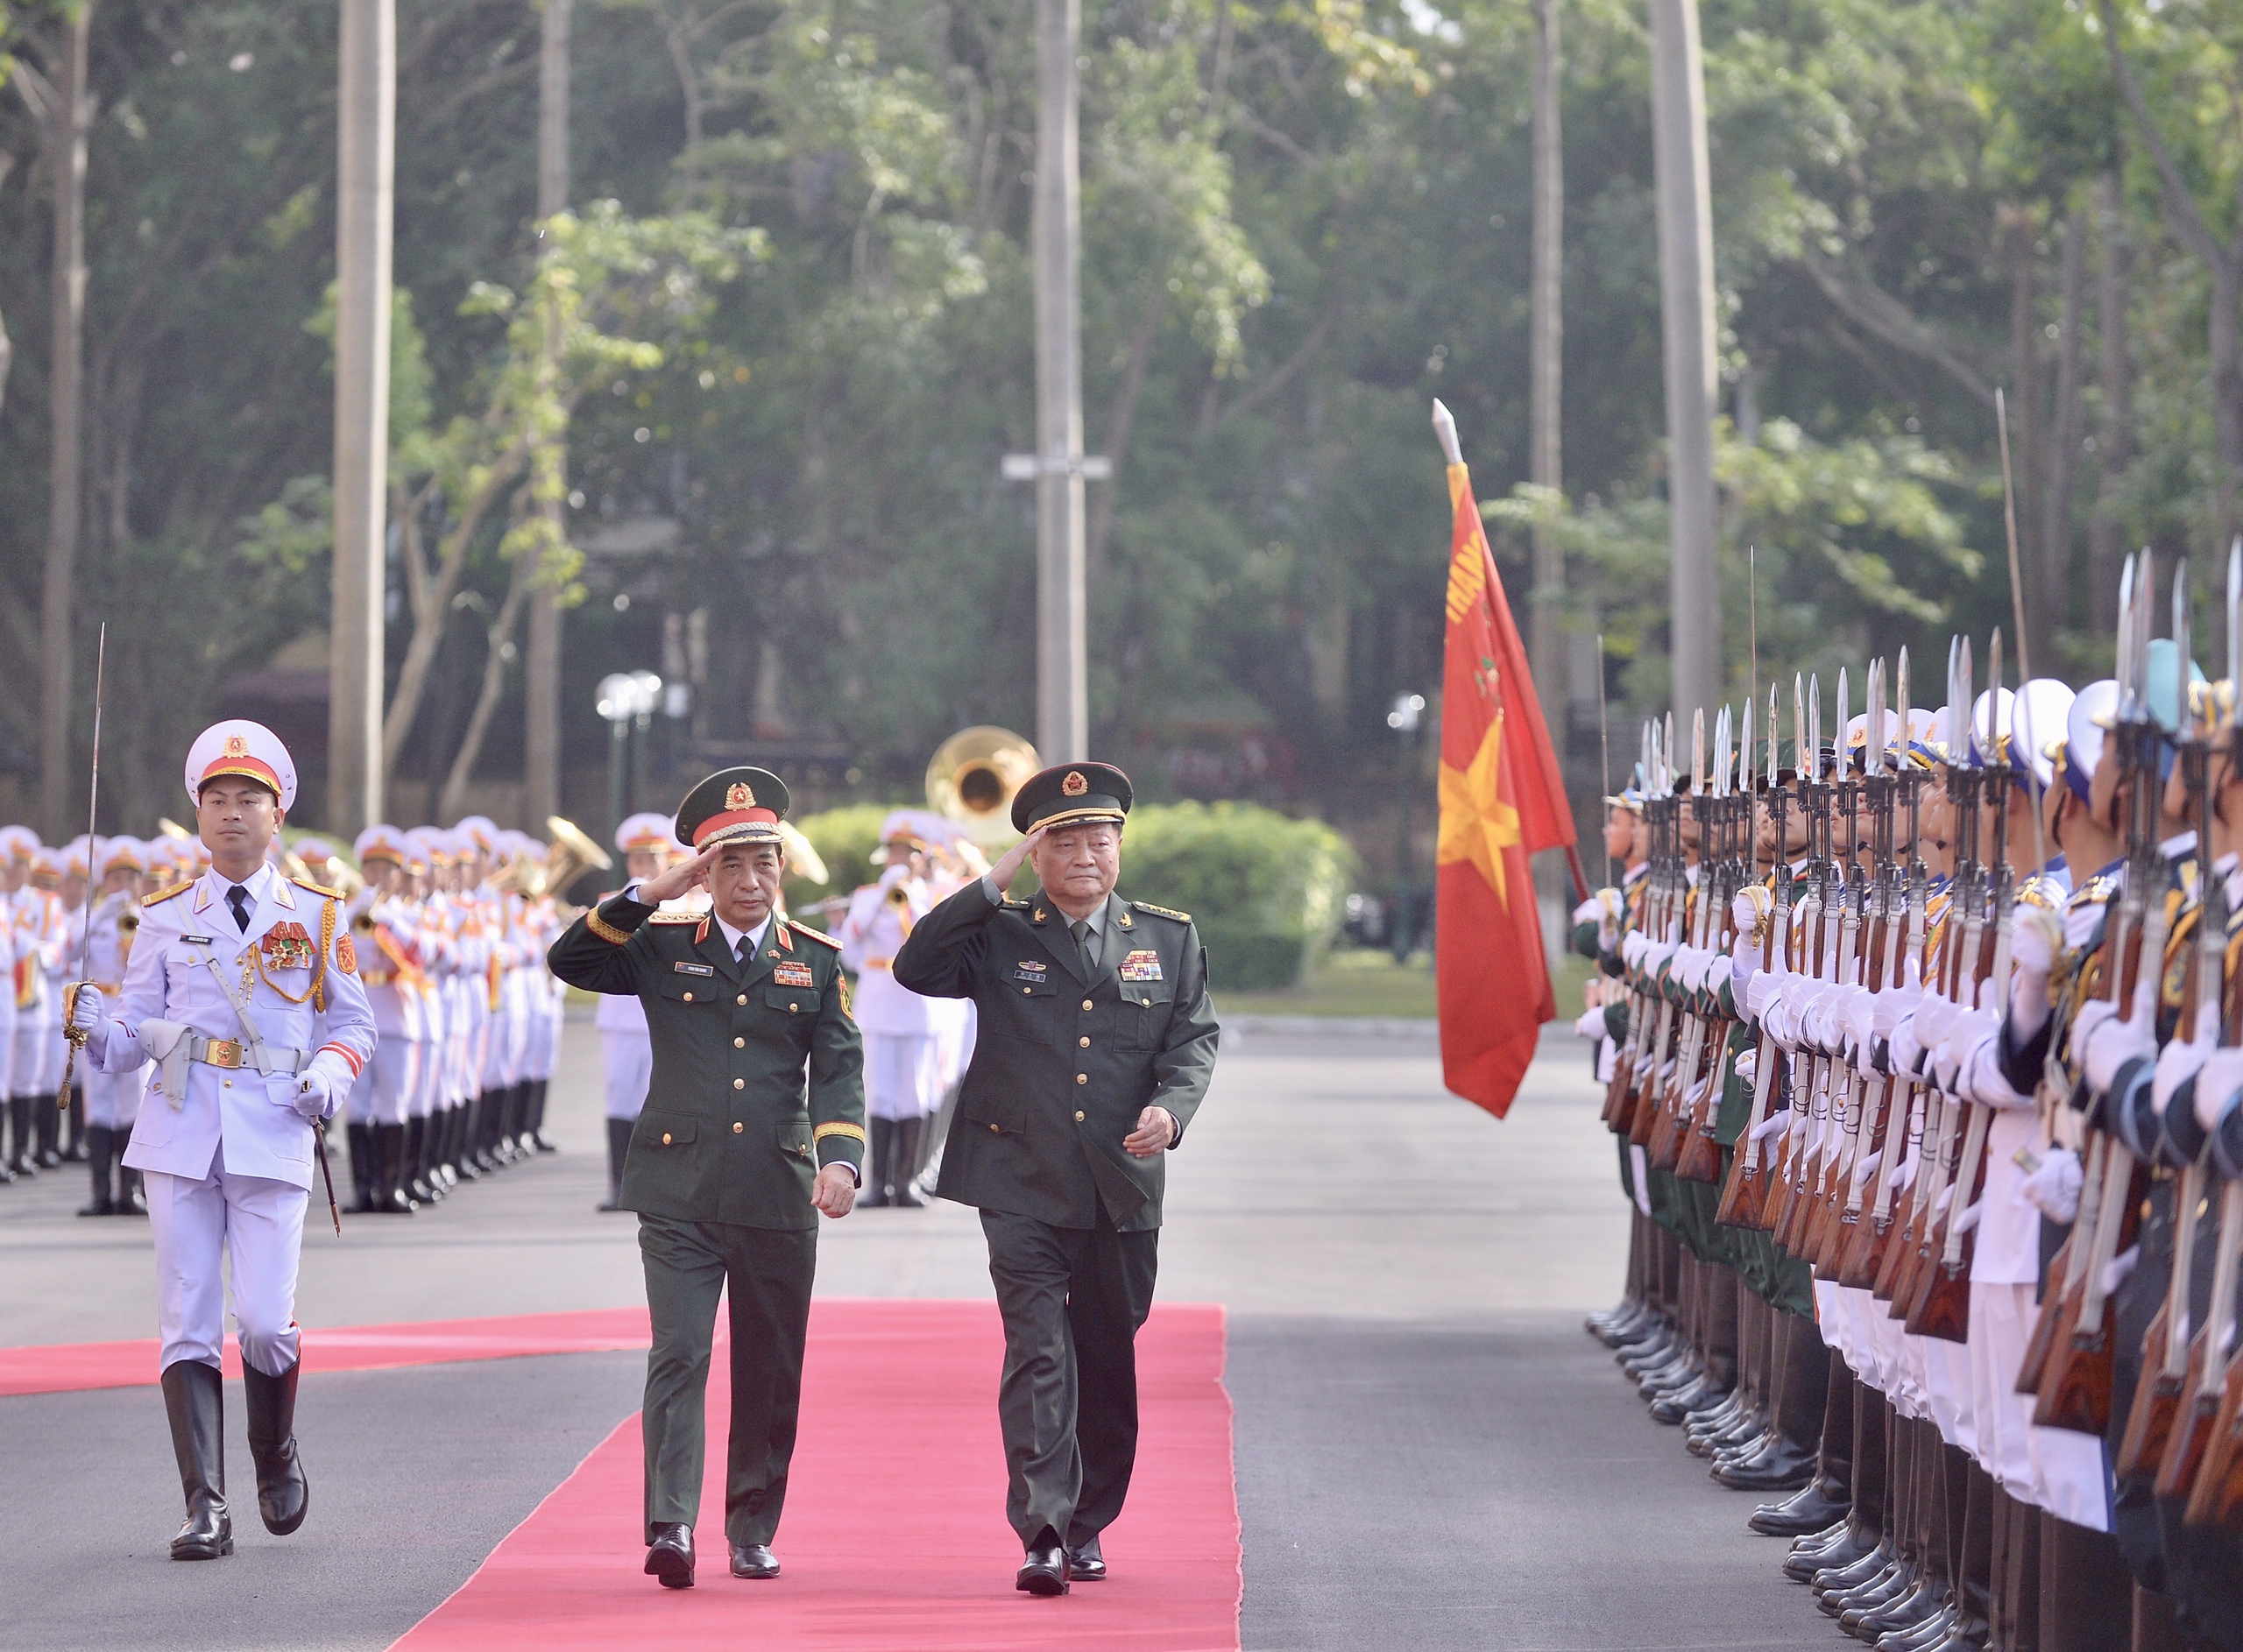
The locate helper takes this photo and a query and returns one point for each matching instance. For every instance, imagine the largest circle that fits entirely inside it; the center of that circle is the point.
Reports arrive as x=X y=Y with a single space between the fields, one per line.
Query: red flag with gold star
x=1502 y=797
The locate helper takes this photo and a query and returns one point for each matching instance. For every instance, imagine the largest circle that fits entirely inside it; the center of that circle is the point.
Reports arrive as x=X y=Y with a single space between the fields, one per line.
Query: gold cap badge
x=739 y=796
x=1074 y=785
x=237 y=745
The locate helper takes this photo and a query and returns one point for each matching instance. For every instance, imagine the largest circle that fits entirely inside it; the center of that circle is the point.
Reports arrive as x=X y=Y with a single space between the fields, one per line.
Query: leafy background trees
x=806 y=345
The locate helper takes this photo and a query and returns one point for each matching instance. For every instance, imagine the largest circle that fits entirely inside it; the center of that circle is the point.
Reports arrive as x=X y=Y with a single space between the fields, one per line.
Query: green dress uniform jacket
x=1063 y=1066
x=730 y=1131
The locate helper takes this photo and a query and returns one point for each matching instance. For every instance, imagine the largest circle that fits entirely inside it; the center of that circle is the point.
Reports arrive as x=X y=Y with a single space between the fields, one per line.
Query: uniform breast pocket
x=796 y=1003
x=693 y=988
x=1145 y=1009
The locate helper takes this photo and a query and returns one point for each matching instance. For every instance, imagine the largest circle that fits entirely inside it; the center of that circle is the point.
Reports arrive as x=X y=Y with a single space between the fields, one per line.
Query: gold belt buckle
x=224 y=1052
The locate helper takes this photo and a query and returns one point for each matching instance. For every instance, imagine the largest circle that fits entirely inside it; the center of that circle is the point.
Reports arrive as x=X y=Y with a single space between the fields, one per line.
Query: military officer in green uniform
x=735 y=1155
x=1095 y=1043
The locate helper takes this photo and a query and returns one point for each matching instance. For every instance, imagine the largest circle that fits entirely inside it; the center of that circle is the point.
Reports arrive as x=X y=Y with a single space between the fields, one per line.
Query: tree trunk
x=494 y=684
x=2063 y=442
x=2115 y=445
x=2025 y=426
x=542 y=669
x=1545 y=355
x=69 y=119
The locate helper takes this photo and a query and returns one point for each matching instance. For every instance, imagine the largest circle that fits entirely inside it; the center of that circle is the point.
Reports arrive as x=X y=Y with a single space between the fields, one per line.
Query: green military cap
x=1071 y=795
x=734 y=806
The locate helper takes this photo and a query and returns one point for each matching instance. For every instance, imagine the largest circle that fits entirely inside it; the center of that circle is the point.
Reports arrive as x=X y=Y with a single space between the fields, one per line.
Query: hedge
x=1267 y=890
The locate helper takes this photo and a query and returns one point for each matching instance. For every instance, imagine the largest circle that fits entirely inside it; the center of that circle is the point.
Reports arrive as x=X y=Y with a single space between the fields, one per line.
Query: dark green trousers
x=765 y=1273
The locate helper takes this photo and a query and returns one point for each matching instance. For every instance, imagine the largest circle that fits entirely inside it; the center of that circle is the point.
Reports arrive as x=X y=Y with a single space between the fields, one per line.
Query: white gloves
x=2110 y=1043
x=88 y=1010
x=2034 y=944
x=2184 y=1059
x=2216 y=1085
x=2054 y=1189
x=1591 y=1025
x=322 y=1086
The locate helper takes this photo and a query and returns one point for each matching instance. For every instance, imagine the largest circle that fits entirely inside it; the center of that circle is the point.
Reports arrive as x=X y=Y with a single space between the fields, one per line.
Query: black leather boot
x=359 y=1139
x=22 y=1155
x=537 y=1138
x=619 y=1149
x=101 y=1153
x=417 y=1132
x=131 y=1198
x=390 y=1195
x=910 y=1143
x=283 y=1494
x=75 y=1148
x=883 y=1138
x=194 y=1403
x=50 y=1131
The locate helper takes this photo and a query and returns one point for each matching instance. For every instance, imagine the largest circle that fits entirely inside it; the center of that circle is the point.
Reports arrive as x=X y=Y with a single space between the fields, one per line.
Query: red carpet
x=895 y=1533
x=69 y=1368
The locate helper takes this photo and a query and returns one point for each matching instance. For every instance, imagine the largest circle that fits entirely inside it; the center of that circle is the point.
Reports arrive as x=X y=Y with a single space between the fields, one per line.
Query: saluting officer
x=733 y=1156
x=241 y=989
x=1097 y=1041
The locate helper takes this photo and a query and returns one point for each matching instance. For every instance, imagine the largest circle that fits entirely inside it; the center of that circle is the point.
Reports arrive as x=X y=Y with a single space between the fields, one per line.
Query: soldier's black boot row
x=1611 y=1327
x=618 y=1148
x=1823 y=1501
x=283 y=1494
x=100 y=1155
x=1784 y=1458
x=195 y=1404
x=359 y=1141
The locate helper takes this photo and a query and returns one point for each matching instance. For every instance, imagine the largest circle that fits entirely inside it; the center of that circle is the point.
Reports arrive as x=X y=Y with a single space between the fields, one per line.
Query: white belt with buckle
x=232 y=1054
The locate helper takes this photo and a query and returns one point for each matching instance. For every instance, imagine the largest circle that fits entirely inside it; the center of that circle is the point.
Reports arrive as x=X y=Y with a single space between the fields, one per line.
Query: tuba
x=973 y=778
x=569 y=857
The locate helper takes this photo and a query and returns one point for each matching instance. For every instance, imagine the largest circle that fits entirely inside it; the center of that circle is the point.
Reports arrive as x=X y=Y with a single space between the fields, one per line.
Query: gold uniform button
x=743 y=997
x=1082 y=1078
x=1078 y=1118
x=1084 y=1042
x=992 y=1130
x=665 y=1138
x=740 y=1084
x=792 y=1007
x=737 y=1128
x=1024 y=991
x=228 y=1083
x=689 y=998
x=739 y=1043
x=1085 y=1002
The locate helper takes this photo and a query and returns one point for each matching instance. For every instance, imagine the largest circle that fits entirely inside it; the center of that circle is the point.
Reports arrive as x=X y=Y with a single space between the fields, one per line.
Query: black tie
x=238 y=898
x=1086 y=947
x=745 y=951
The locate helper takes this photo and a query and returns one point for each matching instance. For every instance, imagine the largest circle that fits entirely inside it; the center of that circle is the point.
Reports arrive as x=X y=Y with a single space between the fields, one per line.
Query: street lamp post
x=626 y=701
x=1409 y=710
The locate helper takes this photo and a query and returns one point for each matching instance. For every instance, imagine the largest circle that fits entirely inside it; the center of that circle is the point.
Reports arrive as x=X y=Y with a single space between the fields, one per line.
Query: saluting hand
x=683 y=879
x=1009 y=867
x=1155 y=1129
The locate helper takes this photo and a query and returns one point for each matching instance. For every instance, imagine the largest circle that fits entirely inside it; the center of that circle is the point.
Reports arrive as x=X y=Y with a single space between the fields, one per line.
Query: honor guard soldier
x=113 y=1099
x=1097 y=1043
x=627 y=1056
x=734 y=1155
x=243 y=992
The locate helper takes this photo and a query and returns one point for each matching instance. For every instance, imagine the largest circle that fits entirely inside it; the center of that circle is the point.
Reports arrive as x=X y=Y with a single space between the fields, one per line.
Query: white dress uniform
x=901 y=1069
x=112 y=1100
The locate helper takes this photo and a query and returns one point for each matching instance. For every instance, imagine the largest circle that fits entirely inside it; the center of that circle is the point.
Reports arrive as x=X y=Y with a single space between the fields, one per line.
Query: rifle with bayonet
x=1740 y=1199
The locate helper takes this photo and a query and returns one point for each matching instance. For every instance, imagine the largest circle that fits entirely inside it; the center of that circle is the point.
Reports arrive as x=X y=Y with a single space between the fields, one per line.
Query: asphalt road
x=1430 y=1452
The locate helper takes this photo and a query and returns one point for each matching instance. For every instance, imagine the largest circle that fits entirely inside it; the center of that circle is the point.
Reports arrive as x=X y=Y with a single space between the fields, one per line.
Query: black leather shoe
x=1814 y=1506
x=283 y=1494
x=1782 y=1468
x=1085 y=1563
x=1848 y=1549
x=194 y=1402
x=754 y=1560
x=1045 y=1573
x=670 y=1556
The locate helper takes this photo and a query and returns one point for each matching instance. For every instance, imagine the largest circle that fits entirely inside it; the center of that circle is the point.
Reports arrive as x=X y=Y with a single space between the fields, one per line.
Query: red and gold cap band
x=738 y=822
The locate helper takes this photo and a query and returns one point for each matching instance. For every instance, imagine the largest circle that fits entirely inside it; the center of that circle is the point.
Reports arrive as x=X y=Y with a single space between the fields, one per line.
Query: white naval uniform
x=903 y=1031
x=229 y=1165
x=398 y=995
x=37 y=916
x=112 y=1100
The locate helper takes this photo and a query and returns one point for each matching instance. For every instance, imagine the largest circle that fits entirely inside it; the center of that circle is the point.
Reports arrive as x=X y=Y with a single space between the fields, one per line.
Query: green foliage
x=1265 y=890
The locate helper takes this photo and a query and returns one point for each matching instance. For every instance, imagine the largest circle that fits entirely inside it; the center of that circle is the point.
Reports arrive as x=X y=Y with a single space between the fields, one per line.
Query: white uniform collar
x=264 y=883
x=755 y=935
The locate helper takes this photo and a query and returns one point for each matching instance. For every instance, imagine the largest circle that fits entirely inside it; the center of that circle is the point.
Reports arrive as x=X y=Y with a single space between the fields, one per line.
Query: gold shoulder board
x=319 y=889
x=818 y=935
x=1011 y=904
x=1162 y=911
x=165 y=895
x=675 y=917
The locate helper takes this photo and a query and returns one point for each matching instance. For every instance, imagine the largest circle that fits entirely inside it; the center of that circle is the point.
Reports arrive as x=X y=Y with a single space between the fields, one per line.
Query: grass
x=1358 y=982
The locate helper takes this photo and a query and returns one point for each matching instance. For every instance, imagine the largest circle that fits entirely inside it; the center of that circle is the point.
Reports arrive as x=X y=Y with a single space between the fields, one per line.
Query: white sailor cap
x=2085 y=731
x=380 y=842
x=238 y=746
x=21 y=842
x=117 y=853
x=2038 y=718
x=475 y=834
x=645 y=833
x=77 y=855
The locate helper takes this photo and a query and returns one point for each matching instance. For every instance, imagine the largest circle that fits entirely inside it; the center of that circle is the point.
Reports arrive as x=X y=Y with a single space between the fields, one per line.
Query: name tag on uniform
x=1141 y=965
x=692 y=969
x=1030 y=970
x=793 y=975
x=196 y=940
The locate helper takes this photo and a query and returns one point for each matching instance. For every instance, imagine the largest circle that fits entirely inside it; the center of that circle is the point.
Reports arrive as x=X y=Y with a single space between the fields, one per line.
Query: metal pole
x=366 y=98
x=1062 y=706
x=1546 y=355
x=541 y=664
x=68 y=121
x=1686 y=304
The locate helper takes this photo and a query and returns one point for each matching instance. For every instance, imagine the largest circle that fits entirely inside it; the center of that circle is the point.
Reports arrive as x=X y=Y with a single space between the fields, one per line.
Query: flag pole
x=1604 y=759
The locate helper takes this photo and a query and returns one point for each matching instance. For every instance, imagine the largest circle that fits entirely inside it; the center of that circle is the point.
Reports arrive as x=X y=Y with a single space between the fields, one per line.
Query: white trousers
x=113 y=1099
x=258 y=1222
x=902 y=1075
x=629 y=1059
x=27 y=1051
x=385 y=1091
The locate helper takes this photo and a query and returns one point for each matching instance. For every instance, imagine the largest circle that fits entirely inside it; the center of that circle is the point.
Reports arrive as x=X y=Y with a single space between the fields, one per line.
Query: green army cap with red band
x=1071 y=795
x=734 y=806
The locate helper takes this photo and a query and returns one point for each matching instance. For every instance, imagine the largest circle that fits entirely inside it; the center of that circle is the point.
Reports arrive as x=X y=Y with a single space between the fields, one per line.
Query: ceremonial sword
x=71 y=1036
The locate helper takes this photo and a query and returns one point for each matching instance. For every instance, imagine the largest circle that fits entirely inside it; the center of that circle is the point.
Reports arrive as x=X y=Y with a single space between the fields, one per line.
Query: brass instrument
x=334 y=872
x=568 y=857
x=973 y=777
x=174 y=830
x=803 y=859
